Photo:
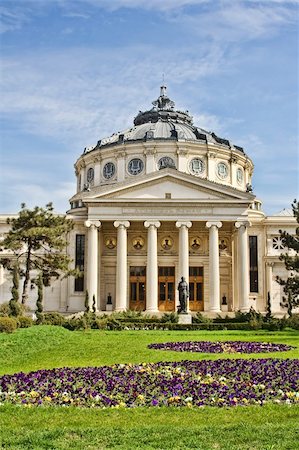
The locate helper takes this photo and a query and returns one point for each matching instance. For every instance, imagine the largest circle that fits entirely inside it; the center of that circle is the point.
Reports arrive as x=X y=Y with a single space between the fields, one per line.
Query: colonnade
x=152 y=262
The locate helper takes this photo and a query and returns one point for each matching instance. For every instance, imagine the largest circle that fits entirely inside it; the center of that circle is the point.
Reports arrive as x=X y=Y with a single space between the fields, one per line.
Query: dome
x=163 y=122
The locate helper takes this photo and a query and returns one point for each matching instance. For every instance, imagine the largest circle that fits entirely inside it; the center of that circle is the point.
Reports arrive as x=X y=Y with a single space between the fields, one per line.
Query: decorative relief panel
x=167 y=243
x=110 y=243
x=138 y=243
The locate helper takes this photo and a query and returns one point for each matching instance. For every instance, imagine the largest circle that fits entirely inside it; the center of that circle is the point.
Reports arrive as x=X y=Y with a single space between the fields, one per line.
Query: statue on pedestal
x=183 y=296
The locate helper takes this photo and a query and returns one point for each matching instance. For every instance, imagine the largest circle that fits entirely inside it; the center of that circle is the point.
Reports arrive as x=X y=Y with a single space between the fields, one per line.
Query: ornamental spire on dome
x=163 y=102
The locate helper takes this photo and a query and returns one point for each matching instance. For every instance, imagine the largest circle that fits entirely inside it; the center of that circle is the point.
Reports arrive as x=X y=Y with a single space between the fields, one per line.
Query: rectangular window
x=79 y=261
x=253 y=264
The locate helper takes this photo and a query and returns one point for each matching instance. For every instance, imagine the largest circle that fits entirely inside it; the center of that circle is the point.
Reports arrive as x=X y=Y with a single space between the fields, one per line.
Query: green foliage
x=53 y=318
x=14 y=301
x=268 y=316
x=4 y=309
x=200 y=318
x=293 y=322
x=291 y=261
x=37 y=239
x=25 y=322
x=94 y=308
x=171 y=317
x=8 y=324
x=86 y=301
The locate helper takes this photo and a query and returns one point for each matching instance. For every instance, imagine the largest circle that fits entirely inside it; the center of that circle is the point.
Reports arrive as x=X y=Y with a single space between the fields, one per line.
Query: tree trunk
x=27 y=277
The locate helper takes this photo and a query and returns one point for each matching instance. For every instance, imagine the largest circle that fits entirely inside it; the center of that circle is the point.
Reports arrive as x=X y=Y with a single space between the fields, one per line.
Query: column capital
x=270 y=263
x=180 y=224
x=153 y=223
x=214 y=223
x=90 y=223
x=122 y=223
x=244 y=223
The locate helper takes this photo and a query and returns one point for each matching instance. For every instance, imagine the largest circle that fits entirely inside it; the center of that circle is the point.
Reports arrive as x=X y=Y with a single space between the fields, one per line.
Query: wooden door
x=137 y=288
x=196 y=289
x=166 y=289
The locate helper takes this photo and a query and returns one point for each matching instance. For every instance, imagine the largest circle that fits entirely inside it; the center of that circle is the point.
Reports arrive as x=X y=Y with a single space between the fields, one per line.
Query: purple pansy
x=223 y=382
x=222 y=347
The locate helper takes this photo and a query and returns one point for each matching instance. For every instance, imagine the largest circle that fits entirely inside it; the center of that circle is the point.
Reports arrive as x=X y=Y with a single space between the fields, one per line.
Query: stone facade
x=162 y=200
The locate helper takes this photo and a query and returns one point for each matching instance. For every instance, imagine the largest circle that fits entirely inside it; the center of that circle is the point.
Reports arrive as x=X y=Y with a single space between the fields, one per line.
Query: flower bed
x=225 y=382
x=222 y=347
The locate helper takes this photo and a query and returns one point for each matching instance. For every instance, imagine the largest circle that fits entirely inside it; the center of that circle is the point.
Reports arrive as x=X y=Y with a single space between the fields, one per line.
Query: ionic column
x=152 y=267
x=214 y=265
x=183 y=249
x=243 y=265
x=92 y=260
x=274 y=306
x=121 y=265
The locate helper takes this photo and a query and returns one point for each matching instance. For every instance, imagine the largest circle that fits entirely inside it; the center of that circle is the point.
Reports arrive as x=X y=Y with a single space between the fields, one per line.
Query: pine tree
x=86 y=302
x=37 y=239
x=291 y=261
x=94 y=304
x=15 y=307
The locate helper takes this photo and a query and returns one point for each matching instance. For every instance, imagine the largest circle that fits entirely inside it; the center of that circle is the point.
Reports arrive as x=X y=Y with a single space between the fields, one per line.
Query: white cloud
x=87 y=93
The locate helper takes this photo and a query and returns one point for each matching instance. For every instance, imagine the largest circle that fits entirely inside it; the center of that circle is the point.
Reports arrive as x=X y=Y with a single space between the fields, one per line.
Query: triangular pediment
x=167 y=184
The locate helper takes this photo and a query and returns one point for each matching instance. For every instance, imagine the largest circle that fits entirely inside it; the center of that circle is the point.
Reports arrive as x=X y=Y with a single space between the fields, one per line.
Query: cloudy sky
x=75 y=71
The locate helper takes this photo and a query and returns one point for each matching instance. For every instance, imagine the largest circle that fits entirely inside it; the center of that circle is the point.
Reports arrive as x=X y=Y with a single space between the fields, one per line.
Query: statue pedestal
x=109 y=307
x=185 y=318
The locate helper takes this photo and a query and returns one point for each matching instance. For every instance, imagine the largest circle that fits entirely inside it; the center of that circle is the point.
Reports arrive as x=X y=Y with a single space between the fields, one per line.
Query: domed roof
x=161 y=122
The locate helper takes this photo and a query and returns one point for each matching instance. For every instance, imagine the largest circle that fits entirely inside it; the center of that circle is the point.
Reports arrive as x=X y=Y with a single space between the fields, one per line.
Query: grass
x=46 y=347
x=240 y=428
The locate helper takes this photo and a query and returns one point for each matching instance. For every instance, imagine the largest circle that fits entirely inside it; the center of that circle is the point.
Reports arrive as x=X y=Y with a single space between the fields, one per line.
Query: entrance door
x=137 y=288
x=196 y=289
x=166 y=289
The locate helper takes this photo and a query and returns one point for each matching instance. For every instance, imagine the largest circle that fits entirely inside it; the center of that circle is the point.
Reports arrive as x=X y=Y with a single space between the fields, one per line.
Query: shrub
x=169 y=318
x=74 y=324
x=7 y=325
x=200 y=318
x=293 y=321
x=25 y=322
x=53 y=318
x=4 y=310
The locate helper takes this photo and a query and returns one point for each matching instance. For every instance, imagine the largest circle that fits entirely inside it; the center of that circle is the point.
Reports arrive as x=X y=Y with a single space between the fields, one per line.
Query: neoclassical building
x=161 y=200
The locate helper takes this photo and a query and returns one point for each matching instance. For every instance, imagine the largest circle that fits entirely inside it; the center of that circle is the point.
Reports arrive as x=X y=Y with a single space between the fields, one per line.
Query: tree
x=291 y=261
x=86 y=301
x=14 y=305
x=40 y=296
x=37 y=239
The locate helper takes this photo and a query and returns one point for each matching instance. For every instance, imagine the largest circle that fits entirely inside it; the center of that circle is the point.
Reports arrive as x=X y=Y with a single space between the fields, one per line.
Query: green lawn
x=251 y=428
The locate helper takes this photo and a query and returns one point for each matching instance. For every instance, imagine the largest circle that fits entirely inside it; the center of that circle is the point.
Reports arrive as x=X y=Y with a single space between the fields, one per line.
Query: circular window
x=135 y=166
x=239 y=175
x=108 y=170
x=196 y=166
x=90 y=175
x=222 y=170
x=165 y=162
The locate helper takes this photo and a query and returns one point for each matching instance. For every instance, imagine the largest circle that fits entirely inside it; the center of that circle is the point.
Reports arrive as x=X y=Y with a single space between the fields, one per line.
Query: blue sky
x=75 y=71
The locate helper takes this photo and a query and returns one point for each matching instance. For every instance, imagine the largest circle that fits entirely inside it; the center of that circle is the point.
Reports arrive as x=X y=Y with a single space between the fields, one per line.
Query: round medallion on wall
x=135 y=166
x=239 y=175
x=90 y=175
x=222 y=170
x=196 y=166
x=108 y=170
x=167 y=243
x=110 y=243
x=138 y=243
x=166 y=161
x=195 y=243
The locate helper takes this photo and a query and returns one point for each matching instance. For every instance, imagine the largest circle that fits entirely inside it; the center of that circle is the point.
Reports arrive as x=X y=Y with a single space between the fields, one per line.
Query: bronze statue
x=183 y=295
